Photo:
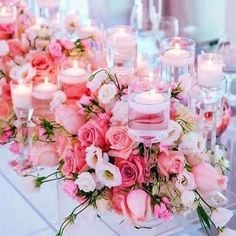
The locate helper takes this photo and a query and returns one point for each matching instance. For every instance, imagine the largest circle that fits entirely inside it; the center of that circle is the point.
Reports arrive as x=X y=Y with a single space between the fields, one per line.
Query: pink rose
x=4 y=109
x=170 y=163
x=117 y=196
x=6 y=135
x=208 y=179
x=63 y=145
x=55 y=50
x=74 y=161
x=121 y=144
x=6 y=31
x=15 y=48
x=92 y=133
x=136 y=207
x=69 y=117
x=161 y=211
x=15 y=148
x=70 y=188
x=44 y=154
x=132 y=170
x=66 y=44
x=42 y=62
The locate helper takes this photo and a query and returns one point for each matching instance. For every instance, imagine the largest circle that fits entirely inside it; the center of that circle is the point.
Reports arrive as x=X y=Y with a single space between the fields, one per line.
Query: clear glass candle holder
x=149 y=111
x=42 y=96
x=210 y=71
x=21 y=92
x=177 y=58
x=121 y=45
x=72 y=78
x=7 y=20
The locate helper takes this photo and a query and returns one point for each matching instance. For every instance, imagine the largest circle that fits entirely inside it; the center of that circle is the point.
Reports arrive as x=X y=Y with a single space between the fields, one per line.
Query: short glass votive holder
x=149 y=111
x=177 y=58
x=42 y=96
x=72 y=78
x=7 y=20
x=210 y=71
x=21 y=92
x=121 y=45
x=47 y=9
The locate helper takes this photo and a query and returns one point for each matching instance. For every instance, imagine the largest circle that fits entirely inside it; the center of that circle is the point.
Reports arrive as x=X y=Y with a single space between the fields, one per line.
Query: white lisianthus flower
x=192 y=143
x=187 y=198
x=227 y=232
x=59 y=97
x=221 y=216
x=106 y=93
x=185 y=83
x=173 y=133
x=25 y=72
x=108 y=174
x=93 y=156
x=4 y=48
x=120 y=112
x=102 y=206
x=185 y=181
x=97 y=81
x=86 y=182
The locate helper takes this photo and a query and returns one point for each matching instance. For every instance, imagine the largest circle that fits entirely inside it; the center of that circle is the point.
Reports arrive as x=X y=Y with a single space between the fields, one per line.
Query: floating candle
x=6 y=17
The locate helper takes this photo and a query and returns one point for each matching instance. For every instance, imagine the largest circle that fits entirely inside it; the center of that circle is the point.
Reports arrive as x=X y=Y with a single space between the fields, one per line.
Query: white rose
x=227 y=232
x=120 y=112
x=174 y=131
x=108 y=174
x=97 y=81
x=192 y=143
x=59 y=97
x=185 y=181
x=86 y=182
x=221 y=216
x=187 y=198
x=4 y=48
x=102 y=206
x=93 y=156
x=106 y=93
x=26 y=72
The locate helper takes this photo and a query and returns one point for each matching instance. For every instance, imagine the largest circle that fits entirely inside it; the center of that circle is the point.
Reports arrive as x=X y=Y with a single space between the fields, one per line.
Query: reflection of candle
x=44 y=91
x=21 y=96
x=210 y=70
x=149 y=102
x=6 y=17
x=73 y=75
x=177 y=56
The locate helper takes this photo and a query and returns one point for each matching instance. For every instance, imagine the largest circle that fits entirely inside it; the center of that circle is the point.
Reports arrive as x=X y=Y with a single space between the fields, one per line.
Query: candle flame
x=177 y=46
x=46 y=80
x=3 y=10
x=150 y=76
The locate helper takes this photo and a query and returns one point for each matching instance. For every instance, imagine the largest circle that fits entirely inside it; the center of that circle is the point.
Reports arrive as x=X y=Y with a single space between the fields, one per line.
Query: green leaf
x=203 y=216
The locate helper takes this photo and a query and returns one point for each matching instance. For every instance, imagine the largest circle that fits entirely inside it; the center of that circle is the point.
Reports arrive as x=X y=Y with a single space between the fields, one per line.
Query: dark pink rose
x=70 y=188
x=161 y=211
x=132 y=170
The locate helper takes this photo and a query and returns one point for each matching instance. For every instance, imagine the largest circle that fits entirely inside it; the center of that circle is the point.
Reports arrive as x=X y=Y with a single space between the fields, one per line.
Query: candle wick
x=46 y=80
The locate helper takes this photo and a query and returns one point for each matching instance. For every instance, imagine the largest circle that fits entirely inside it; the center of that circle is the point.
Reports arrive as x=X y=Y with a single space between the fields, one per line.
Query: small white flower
x=221 y=216
x=4 y=48
x=174 y=131
x=97 y=81
x=102 y=206
x=187 y=198
x=106 y=93
x=59 y=97
x=93 y=156
x=185 y=181
x=227 y=232
x=86 y=182
x=120 y=112
x=25 y=72
x=108 y=174
x=192 y=143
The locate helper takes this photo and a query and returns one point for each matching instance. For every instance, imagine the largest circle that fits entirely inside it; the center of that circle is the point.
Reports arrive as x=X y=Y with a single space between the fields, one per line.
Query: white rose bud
x=187 y=198
x=86 y=182
x=221 y=216
x=106 y=93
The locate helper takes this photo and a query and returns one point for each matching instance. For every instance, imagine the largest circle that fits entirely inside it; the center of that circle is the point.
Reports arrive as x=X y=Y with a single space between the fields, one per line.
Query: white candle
x=177 y=56
x=6 y=17
x=22 y=96
x=73 y=75
x=149 y=102
x=210 y=70
x=44 y=91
